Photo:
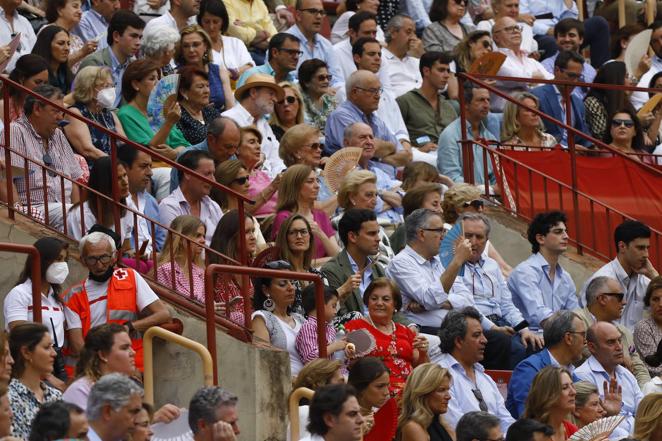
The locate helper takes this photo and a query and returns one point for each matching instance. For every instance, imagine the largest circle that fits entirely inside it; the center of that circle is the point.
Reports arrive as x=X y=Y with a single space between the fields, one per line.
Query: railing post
x=573 y=164
x=210 y=313
x=243 y=260
x=321 y=320
x=115 y=187
x=465 y=146
x=8 y=170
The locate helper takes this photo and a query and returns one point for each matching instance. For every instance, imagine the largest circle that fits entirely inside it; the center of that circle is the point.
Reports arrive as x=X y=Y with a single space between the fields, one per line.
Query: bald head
x=604 y=343
x=363 y=90
x=506 y=33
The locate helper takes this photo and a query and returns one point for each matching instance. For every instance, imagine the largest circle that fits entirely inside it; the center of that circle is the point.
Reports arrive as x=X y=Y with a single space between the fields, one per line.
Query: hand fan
x=637 y=48
x=488 y=64
x=598 y=428
x=13 y=46
x=177 y=430
x=160 y=99
x=650 y=105
x=362 y=340
x=447 y=247
x=386 y=422
x=339 y=164
x=268 y=254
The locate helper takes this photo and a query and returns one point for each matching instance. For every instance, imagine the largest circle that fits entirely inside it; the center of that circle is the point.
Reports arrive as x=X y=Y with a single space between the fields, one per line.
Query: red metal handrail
x=35 y=274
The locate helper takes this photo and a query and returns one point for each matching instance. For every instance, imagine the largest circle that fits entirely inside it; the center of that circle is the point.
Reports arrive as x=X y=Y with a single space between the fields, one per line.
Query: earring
x=268 y=304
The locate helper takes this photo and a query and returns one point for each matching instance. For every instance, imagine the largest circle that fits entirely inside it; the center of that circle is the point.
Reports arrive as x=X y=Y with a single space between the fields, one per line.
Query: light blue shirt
x=322 y=49
x=463 y=399
x=588 y=74
x=593 y=372
x=92 y=26
x=263 y=69
x=536 y=295
x=538 y=7
x=385 y=182
x=449 y=153
x=418 y=10
x=176 y=205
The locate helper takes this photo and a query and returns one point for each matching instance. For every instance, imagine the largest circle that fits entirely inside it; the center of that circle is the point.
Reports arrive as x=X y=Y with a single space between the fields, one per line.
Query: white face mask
x=57 y=273
x=106 y=97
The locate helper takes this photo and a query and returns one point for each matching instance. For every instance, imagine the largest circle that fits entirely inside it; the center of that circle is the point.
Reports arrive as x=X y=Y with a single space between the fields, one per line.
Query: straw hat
x=260 y=80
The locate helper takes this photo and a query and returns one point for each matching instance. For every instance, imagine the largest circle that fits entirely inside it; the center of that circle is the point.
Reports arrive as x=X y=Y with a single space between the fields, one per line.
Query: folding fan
x=13 y=46
x=637 y=48
x=386 y=423
x=362 y=341
x=447 y=247
x=268 y=254
x=650 y=105
x=176 y=430
x=339 y=164
x=160 y=99
x=598 y=428
x=488 y=64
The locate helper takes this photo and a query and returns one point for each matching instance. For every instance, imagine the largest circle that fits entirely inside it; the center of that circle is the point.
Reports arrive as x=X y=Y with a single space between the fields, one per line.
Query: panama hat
x=260 y=80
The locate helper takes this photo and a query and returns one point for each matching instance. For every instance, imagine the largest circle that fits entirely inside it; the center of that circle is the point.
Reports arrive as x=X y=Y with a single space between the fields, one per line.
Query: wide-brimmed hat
x=260 y=80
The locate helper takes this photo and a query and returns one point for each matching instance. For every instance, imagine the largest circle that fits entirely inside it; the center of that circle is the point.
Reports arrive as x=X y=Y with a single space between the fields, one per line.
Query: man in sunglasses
x=605 y=302
x=283 y=55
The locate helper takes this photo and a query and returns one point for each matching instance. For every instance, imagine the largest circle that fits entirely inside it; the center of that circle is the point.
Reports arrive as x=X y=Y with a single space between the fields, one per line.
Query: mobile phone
x=521 y=325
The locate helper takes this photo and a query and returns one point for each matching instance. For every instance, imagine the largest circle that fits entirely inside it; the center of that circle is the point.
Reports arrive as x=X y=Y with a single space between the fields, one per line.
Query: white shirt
x=97 y=295
x=28 y=37
x=653 y=387
x=343 y=50
x=516 y=65
x=74 y=223
x=340 y=29
x=529 y=45
x=291 y=336
x=403 y=74
x=233 y=55
x=144 y=233
x=463 y=399
x=272 y=164
x=638 y=99
x=166 y=20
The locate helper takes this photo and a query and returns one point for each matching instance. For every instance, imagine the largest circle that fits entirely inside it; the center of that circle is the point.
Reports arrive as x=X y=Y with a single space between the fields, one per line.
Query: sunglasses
x=322 y=77
x=287 y=100
x=486 y=44
x=477 y=204
x=296 y=52
x=619 y=295
x=315 y=146
x=241 y=181
x=461 y=2
x=622 y=122
x=278 y=265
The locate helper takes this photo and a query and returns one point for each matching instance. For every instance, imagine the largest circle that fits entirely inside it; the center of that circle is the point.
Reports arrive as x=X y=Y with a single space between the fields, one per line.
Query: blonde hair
x=455 y=197
x=290 y=187
x=87 y=79
x=510 y=125
x=194 y=29
x=423 y=380
x=316 y=374
x=648 y=417
x=187 y=226
x=297 y=93
x=584 y=391
x=544 y=393
x=350 y=185
x=225 y=174
x=293 y=140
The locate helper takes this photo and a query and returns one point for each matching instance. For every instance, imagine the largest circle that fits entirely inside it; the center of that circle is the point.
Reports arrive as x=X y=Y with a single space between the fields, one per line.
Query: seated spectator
x=227 y=52
x=423 y=196
x=53 y=46
x=603 y=369
x=94 y=97
x=510 y=8
x=306 y=341
x=67 y=15
x=401 y=67
x=31 y=71
x=138 y=81
x=32 y=350
x=340 y=30
x=28 y=132
x=193 y=97
x=252 y=25
x=180 y=265
x=471 y=48
x=463 y=344
x=213 y=413
x=297 y=193
x=283 y=55
x=639 y=98
x=522 y=128
x=195 y=50
x=568 y=66
x=446 y=30
x=382 y=298
x=425 y=400
x=107 y=349
x=539 y=285
x=181 y=14
x=550 y=400
x=417 y=173
x=565 y=337
x=111 y=399
x=158 y=45
x=318 y=102
x=228 y=287
x=6 y=360
x=626 y=135
x=9 y=29
x=648 y=330
x=526 y=429
x=425 y=111
x=361 y=25
x=335 y=414
x=588 y=406
x=478 y=425
x=605 y=303
x=59 y=420
x=654 y=360
x=99 y=207
x=288 y=112
x=255 y=101
x=192 y=195
x=17 y=308
x=272 y=322
x=370 y=378
x=647 y=420
x=95 y=20
x=262 y=187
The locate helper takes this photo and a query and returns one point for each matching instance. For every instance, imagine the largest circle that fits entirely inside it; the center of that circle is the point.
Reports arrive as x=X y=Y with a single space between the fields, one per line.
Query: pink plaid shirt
x=306 y=342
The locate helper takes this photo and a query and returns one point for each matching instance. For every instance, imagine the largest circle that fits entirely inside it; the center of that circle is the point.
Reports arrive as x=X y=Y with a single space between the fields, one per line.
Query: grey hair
x=217 y=126
x=395 y=24
x=557 y=326
x=475 y=425
x=205 y=403
x=416 y=220
x=349 y=130
x=113 y=389
x=455 y=326
x=478 y=217
x=158 y=39
x=46 y=91
x=356 y=79
x=595 y=287
x=584 y=390
x=95 y=238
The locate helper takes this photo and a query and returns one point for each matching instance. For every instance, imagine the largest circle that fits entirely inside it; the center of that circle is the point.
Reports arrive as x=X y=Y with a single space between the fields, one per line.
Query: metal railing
x=35 y=273
x=293 y=407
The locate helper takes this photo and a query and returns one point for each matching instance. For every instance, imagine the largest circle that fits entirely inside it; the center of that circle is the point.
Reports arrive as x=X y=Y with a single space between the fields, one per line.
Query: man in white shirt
x=113 y=403
x=510 y=8
x=335 y=415
x=182 y=13
x=213 y=415
x=631 y=268
x=638 y=99
x=463 y=345
x=363 y=24
x=11 y=23
x=401 y=68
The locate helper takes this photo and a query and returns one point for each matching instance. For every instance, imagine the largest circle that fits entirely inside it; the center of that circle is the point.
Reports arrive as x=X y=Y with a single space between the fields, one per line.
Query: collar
x=620 y=273
x=420 y=259
x=97 y=15
x=294 y=30
x=115 y=63
x=353 y=264
x=511 y=53
x=452 y=362
x=240 y=112
x=540 y=260
x=25 y=122
x=14 y=15
x=596 y=366
x=353 y=107
x=555 y=362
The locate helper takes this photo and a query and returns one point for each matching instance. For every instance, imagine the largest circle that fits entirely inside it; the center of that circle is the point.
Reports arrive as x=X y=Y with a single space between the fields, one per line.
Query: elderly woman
x=446 y=30
x=195 y=50
x=588 y=407
x=521 y=127
x=94 y=96
x=261 y=188
x=67 y=14
x=158 y=44
x=288 y=112
x=272 y=320
x=53 y=45
x=193 y=97
x=318 y=102
x=648 y=331
x=424 y=401
x=426 y=195
x=382 y=298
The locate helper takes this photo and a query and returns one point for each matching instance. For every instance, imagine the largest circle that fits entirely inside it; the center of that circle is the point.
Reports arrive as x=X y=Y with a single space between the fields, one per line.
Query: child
x=306 y=342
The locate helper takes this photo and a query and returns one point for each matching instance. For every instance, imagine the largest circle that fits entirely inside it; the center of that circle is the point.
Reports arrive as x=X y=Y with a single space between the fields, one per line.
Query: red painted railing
x=35 y=273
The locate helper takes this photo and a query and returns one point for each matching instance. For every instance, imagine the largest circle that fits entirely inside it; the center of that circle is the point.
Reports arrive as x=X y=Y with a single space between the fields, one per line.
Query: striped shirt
x=306 y=343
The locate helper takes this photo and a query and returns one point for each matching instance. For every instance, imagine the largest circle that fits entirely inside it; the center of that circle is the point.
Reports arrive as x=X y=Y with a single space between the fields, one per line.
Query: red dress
x=228 y=291
x=570 y=429
x=395 y=350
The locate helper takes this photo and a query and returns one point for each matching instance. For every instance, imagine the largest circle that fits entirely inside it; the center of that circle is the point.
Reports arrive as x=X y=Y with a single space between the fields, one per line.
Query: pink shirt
x=182 y=285
x=322 y=221
x=258 y=181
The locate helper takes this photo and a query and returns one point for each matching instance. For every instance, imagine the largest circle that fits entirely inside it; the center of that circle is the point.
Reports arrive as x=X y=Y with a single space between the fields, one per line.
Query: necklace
x=392 y=348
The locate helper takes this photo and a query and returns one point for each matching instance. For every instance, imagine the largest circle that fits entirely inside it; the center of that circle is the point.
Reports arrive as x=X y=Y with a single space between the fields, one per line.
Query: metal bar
x=293 y=405
x=573 y=165
x=115 y=188
x=8 y=161
x=243 y=259
x=466 y=165
x=35 y=275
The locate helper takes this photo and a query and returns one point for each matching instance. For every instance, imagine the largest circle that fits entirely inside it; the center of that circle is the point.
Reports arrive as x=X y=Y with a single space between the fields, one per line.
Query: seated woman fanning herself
x=272 y=320
x=94 y=96
x=180 y=265
x=521 y=127
x=288 y=112
x=261 y=188
x=193 y=96
x=397 y=345
x=625 y=134
x=297 y=193
x=31 y=71
x=53 y=46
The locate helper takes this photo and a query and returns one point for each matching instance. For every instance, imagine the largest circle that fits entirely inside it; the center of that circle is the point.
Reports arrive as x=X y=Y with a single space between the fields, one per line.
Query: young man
x=284 y=51
x=335 y=415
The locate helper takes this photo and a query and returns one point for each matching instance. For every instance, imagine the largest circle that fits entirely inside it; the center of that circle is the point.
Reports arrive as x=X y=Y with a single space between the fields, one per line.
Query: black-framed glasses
x=278 y=265
x=619 y=295
x=372 y=91
x=287 y=100
x=48 y=162
x=322 y=77
x=572 y=75
x=105 y=259
x=303 y=232
x=314 y=11
x=435 y=230
x=482 y=405
x=616 y=122
x=476 y=203
x=296 y=52
x=241 y=181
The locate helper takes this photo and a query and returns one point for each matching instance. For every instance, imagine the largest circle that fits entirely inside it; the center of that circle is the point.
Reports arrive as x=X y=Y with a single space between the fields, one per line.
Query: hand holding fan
x=637 y=48
x=386 y=422
x=362 y=340
x=160 y=99
x=339 y=164
x=176 y=430
x=597 y=429
x=447 y=247
x=13 y=46
x=650 y=105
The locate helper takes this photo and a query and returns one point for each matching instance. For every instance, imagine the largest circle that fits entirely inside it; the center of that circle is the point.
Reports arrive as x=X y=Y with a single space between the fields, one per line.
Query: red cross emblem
x=121 y=274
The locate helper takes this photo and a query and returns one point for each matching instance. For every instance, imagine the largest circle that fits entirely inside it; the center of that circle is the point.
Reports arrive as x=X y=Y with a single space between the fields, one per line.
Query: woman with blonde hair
x=648 y=420
x=288 y=112
x=521 y=127
x=180 y=266
x=424 y=400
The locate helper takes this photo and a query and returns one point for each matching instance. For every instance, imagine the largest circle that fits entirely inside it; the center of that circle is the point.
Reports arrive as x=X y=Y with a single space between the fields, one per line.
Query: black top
x=195 y=131
x=437 y=432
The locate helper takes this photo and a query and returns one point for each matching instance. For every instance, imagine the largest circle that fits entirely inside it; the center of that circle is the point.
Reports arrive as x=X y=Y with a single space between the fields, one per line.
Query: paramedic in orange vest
x=111 y=295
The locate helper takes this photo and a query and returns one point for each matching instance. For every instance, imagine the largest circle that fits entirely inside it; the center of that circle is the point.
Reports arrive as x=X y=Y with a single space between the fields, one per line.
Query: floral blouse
x=195 y=131
x=647 y=335
x=25 y=405
x=317 y=117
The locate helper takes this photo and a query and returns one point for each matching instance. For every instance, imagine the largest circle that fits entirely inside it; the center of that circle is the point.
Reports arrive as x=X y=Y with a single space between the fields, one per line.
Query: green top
x=137 y=128
x=421 y=119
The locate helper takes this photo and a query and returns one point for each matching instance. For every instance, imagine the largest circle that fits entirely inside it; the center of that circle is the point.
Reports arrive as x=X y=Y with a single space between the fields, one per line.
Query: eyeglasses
x=572 y=75
x=314 y=146
x=296 y=233
x=582 y=333
x=48 y=162
x=278 y=265
x=105 y=259
x=313 y=11
x=622 y=122
x=322 y=77
x=618 y=295
x=296 y=52
x=372 y=91
x=476 y=203
x=509 y=29
x=287 y=100
x=241 y=181
x=482 y=405
x=434 y=230
x=461 y=2
x=487 y=44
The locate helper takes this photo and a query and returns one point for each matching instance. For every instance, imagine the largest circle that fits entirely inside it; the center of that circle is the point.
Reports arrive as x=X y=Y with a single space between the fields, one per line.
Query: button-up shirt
x=634 y=286
x=176 y=205
x=263 y=69
x=557 y=8
x=321 y=49
x=366 y=276
x=253 y=14
x=403 y=74
x=117 y=69
x=25 y=405
x=588 y=74
x=536 y=295
x=166 y=20
x=516 y=65
x=463 y=399
x=150 y=208
x=424 y=123
x=593 y=372
x=92 y=26
x=449 y=153
x=385 y=182
x=8 y=32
